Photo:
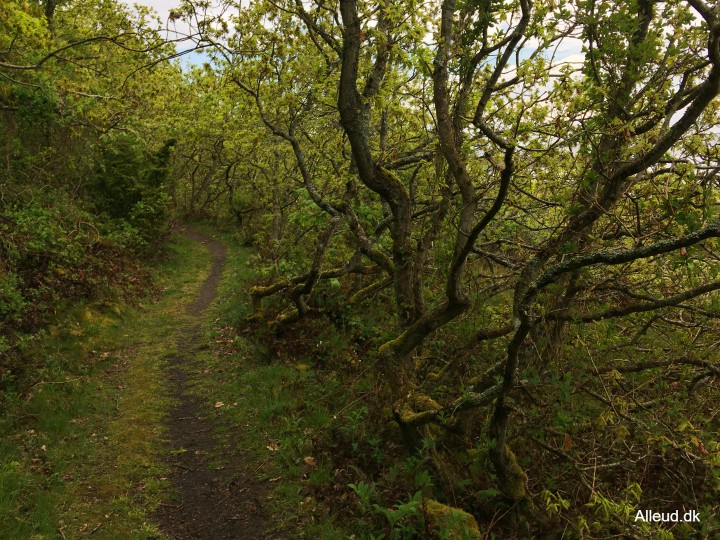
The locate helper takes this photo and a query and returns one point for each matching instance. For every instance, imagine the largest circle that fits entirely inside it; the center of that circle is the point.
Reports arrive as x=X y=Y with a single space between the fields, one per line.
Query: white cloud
x=173 y=30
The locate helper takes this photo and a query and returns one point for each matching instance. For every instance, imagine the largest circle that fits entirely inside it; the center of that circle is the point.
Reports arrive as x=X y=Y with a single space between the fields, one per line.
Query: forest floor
x=209 y=500
x=165 y=417
x=123 y=433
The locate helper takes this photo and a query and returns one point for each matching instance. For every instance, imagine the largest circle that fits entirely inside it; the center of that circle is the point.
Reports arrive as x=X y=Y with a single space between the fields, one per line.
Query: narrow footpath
x=208 y=503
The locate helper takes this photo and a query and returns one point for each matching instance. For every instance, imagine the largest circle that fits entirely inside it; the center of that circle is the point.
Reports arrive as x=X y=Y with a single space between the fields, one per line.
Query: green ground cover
x=79 y=449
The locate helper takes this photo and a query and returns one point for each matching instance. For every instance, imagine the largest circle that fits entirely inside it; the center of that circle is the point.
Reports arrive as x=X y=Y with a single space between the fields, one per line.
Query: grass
x=272 y=411
x=296 y=424
x=79 y=450
x=80 y=454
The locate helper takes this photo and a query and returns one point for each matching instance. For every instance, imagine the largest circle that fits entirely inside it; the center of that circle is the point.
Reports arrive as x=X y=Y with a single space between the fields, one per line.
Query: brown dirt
x=209 y=503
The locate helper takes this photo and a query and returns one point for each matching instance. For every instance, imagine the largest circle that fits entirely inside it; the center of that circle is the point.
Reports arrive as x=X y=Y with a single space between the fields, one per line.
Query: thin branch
x=670 y=301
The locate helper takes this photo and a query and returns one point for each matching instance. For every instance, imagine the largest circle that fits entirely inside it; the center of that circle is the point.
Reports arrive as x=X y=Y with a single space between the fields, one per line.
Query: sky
x=175 y=29
x=163 y=7
x=568 y=52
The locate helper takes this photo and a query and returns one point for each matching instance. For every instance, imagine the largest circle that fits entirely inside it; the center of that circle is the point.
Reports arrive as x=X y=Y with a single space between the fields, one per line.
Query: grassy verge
x=78 y=452
x=273 y=411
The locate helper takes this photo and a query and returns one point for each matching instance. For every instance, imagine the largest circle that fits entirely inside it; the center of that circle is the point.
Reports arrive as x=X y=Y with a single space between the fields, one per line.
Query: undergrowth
x=300 y=410
x=308 y=407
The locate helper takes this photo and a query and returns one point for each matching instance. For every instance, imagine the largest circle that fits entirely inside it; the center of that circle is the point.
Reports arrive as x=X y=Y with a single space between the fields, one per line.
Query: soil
x=209 y=502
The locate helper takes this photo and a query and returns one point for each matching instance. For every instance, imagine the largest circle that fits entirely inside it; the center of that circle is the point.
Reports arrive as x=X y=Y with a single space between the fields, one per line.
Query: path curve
x=208 y=504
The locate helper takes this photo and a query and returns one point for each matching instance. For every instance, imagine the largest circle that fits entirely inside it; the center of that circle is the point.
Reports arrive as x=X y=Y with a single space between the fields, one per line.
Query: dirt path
x=209 y=504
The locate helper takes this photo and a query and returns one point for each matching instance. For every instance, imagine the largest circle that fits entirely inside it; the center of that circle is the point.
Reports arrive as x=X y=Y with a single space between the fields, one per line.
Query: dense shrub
x=129 y=189
x=52 y=252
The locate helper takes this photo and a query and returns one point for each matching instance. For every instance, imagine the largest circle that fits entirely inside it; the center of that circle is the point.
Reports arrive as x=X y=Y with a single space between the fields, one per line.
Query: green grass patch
x=79 y=449
x=272 y=410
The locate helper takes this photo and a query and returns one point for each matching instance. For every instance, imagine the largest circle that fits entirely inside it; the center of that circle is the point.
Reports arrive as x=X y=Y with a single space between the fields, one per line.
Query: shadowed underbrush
x=310 y=403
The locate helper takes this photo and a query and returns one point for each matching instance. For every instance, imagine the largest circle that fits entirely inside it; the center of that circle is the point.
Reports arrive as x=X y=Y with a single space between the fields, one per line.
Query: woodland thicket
x=506 y=212
x=85 y=160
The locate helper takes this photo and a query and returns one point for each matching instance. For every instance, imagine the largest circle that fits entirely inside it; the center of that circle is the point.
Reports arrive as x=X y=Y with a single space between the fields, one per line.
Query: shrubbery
x=56 y=247
x=129 y=190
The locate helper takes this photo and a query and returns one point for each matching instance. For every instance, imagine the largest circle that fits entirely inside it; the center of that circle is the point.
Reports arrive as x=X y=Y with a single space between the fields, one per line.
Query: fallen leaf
x=219 y=404
x=272 y=447
x=309 y=460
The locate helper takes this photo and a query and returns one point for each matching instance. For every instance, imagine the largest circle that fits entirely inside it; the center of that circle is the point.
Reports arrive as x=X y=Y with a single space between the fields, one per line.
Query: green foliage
x=52 y=255
x=595 y=161
x=66 y=82
x=43 y=259
x=12 y=302
x=35 y=113
x=594 y=164
x=554 y=503
x=19 y=18
x=608 y=510
x=130 y=188
x=416 y=517
x=404 y=520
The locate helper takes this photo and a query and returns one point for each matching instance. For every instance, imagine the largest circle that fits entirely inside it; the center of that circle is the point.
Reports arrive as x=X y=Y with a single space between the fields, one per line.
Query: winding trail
x=208 y=503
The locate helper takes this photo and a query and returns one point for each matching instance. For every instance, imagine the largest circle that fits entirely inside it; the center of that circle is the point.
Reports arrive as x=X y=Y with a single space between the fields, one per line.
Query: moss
x=260 y=290
x=417 y=408
x=257 y=306
x=387 y=348
x=411 y=418
x=455 y=523
x=478 y=465
x=96 y=318
x=362 y=294
x=424 y=403
x=283 y=317
x=423 y=359
x=100 y=418
x=515 y=478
